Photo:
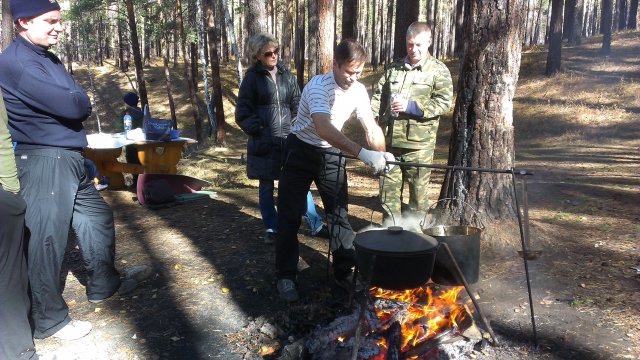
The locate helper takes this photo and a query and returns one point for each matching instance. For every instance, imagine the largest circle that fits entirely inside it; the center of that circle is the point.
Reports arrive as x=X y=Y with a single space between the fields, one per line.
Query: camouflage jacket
x=429 y=85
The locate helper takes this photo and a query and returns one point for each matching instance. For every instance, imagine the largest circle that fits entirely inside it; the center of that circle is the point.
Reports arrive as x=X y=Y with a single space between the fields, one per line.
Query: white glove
x=375 y=159
x=389 y=157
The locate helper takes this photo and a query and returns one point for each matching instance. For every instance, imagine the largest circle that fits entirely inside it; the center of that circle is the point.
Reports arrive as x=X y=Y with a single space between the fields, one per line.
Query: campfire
x=406 y=313
x=420 y=314
x=410 y=324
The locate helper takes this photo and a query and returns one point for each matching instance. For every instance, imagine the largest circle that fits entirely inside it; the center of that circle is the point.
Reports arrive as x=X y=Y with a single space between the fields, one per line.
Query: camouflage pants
x=391 y=184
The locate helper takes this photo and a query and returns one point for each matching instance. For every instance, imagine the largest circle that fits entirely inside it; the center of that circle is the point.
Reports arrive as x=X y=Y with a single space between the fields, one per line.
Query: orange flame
x=425 y=315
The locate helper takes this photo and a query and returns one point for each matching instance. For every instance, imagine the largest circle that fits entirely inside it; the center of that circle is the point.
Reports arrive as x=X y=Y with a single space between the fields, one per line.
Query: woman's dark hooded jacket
x=264 y=112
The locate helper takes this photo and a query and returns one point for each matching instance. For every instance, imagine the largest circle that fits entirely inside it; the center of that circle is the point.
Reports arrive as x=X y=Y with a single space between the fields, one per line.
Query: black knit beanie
x=131 y=99
x=31 y=8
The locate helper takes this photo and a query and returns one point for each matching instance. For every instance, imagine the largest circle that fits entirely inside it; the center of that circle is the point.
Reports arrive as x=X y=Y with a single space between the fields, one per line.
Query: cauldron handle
x=468 y=289
x=424 y=219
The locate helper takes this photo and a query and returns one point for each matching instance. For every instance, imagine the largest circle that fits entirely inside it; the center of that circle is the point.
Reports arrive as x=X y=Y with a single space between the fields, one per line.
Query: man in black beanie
x=46 y=108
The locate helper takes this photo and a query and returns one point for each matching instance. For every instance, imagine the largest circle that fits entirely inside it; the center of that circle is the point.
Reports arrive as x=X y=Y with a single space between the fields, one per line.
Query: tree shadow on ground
x=239 y=271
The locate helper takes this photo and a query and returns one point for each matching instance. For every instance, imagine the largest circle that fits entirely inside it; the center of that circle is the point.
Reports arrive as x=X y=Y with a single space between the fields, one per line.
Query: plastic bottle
x=127 y=122
x=394 y=97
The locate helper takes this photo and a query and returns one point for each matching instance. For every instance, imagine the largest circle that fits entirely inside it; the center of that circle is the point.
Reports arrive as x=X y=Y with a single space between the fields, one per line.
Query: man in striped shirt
x=326 y=104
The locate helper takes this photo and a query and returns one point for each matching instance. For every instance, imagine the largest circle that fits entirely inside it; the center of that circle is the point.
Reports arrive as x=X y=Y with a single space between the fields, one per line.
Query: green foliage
x=81 y=8
x=580 y=301
x=556 y=217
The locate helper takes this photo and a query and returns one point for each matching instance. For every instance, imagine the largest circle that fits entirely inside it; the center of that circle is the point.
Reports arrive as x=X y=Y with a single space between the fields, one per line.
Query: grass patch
x=579 y=301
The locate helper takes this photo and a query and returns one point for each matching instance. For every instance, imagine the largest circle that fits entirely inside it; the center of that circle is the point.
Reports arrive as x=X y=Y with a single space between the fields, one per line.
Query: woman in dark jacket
x=267 y=102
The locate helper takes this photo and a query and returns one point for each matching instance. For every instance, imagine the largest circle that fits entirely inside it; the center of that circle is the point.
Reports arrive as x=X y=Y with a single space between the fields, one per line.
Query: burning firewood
x=341 y=328
x=393 y=340
x=411 y=324
x=423 y=347
x=372 y=347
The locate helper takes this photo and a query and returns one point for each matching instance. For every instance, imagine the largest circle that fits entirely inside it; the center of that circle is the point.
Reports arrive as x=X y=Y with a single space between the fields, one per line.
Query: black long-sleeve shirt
x=45 y=106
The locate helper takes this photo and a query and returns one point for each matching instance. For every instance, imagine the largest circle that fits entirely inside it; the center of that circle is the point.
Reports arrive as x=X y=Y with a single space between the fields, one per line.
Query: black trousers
x=15 y=332
x=304 y=164
x=59 y=195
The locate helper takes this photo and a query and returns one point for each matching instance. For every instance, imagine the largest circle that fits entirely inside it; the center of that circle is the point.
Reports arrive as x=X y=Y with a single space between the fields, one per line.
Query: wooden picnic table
x=156 y=157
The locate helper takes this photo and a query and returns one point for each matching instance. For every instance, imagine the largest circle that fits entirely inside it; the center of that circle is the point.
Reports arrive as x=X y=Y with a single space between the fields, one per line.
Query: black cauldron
x=394 y=258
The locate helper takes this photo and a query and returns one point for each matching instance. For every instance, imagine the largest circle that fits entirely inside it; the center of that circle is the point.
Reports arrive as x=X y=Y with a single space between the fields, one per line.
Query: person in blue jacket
x=46 y=109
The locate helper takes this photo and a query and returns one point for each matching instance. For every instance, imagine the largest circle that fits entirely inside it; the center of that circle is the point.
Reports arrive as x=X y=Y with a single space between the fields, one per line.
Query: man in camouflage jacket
x=422 y=91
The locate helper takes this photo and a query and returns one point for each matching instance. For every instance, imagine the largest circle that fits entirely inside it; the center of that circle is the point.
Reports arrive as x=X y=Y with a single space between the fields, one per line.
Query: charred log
x=343 y=327
x=394 y=333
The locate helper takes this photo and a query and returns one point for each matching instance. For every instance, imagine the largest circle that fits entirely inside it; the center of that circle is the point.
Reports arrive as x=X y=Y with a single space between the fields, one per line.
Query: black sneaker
x=270 y=237
x=287 y=290
x=127 y=286
x=323 y=232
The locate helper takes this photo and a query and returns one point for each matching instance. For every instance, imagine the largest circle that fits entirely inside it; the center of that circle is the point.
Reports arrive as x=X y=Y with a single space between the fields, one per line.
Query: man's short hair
x=418 y=27
x=349 y=50
x=257 y=42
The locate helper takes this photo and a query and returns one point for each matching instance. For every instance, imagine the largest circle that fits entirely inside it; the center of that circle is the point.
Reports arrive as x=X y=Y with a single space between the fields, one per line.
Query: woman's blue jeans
x=267 y=207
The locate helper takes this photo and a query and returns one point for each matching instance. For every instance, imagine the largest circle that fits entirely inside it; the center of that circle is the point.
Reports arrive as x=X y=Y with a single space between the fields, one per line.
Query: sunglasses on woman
x=271 y=53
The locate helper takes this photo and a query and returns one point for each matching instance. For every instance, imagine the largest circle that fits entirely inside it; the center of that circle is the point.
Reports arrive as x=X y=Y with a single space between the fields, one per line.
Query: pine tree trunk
x=224 y=46
x=300 y=43
x=568 y=18
x=165 y=63
x=325 y=36
x=349 y=19
x=6 y=28
x=482 y=134
x=536 y=32
x=632 y=22
x=146 y=28
x=194 y=65
x=407 y=11
x=67 y=48
x=100 y=41
x=195 y=111
x=573 y=13
x=216 y=98
x=459 y=37
x=435 y=35
x=365 y=34
x=287 y=34
x=616 y=14
x=374 y=39
x=388 y=36
x=121 y=45
x=313 y=38
x=606 y=26
x=256 y=17
x=554 y=55
x=137 y=59
x=108 y=41
x=622 y=15
x=234 y=41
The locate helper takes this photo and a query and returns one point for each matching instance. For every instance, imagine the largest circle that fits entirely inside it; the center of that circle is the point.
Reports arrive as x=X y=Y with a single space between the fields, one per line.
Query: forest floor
x=213 y=288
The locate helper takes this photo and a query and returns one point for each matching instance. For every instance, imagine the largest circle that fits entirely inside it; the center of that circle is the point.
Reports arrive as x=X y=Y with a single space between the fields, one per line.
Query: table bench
x=156 y=157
